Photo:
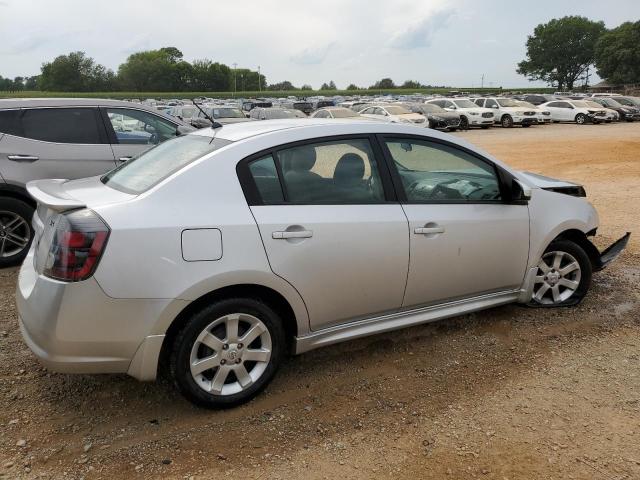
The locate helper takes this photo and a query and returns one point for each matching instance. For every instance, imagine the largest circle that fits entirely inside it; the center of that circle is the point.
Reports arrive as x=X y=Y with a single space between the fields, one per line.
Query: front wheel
x=16 y=231
x=581 y=119
x=506 y=121
x=464 y=123
x=227 y=353
x=564 y=275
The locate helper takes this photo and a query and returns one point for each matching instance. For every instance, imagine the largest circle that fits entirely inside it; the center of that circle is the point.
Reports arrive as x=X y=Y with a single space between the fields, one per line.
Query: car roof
x=66 y=102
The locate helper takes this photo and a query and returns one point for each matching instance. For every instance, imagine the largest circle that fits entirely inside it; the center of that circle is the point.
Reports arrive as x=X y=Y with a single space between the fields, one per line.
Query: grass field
x=267 y=93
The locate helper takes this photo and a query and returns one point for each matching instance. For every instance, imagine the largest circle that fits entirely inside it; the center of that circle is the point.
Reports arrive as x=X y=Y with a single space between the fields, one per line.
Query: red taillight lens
x=78 y=242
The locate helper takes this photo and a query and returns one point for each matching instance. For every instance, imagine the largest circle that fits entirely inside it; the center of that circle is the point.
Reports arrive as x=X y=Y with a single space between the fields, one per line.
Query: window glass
x=490 y=103
x=331 y=173
x=61 y=125
x=265 y=176
x=139 y=127
x=153 y=166
x=10 y=122
x=432 y=172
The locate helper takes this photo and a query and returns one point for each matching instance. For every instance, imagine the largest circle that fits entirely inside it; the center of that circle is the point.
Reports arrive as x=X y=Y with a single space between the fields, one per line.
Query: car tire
x=464 y=123
x=16 y=231
x=563 y=277
x=453 y=129
x=202 y=338
x=526 y=125
x=506 y=121
x=581 y=119
x=484 y=127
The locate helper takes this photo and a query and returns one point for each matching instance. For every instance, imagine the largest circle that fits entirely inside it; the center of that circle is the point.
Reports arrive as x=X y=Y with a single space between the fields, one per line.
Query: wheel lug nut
x=239 y=360
x=223 y=361
x=239 y=345
x=225 y=347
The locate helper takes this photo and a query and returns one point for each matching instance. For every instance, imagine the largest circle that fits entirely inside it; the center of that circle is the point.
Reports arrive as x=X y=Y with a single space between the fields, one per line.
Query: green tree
x=618 y=54
x=247 y=80
x=411 y=84
x=306 y=86
x=75 y=72
x=353 y=86
x=329 y=86
x=560 y=52
x=32 y=82
x=155 y=71
x=384 y=84
x=282 y=86
x=207 y=76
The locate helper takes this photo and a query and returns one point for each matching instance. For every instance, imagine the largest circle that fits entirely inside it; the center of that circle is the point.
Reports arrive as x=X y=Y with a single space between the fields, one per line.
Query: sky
x=435 y=42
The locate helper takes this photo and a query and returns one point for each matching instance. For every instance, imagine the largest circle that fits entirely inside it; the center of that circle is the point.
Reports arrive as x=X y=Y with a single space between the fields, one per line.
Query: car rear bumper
x=77 y=328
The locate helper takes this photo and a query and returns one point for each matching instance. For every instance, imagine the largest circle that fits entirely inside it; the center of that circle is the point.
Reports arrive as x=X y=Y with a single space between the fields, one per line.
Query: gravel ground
x=508 y=393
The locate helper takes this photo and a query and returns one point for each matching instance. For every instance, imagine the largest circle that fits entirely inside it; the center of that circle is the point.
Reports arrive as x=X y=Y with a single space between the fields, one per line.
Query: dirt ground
x=508 y=393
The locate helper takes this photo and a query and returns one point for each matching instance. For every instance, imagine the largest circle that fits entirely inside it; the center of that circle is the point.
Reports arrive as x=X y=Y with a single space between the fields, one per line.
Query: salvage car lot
x=511 y=392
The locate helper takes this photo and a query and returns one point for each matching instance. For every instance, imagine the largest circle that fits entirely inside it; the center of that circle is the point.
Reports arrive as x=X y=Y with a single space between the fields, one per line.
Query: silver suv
x=65 y=138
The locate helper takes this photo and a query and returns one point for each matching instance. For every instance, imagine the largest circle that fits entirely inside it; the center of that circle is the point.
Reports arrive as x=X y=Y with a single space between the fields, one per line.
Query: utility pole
x=482 y=81
x=235 y=84
x=259 y=80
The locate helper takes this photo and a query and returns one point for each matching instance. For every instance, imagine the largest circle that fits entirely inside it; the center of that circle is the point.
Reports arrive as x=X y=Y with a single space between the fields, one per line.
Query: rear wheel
x=564 y=275
x=581 y=119
x=464 y=123
x=227 y=353
x=16 y=231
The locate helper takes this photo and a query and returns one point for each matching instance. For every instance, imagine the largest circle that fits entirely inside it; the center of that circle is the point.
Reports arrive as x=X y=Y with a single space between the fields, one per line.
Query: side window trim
x=397 y=182
x=252 y=195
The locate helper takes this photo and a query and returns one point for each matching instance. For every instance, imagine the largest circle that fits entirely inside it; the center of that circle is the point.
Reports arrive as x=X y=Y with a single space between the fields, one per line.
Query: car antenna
x=214 y=124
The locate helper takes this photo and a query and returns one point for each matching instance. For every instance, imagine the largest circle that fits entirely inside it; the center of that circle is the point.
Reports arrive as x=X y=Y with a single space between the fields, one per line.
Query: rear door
x=60 y=142
x=330 y=227
x=133 y=131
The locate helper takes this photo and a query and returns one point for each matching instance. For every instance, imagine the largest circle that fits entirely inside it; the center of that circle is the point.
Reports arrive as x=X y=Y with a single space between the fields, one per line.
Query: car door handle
x=125 y=159
x=428 y=230
x=292 y=234
x=23 y=158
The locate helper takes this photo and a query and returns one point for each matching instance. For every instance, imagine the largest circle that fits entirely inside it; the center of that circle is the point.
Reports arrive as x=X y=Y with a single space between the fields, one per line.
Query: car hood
x=443 y=115
x=227 y=121
x=541 y=181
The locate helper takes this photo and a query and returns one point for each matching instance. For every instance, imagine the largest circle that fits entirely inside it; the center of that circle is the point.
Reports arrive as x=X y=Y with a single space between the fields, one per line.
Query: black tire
x=586 y=270
x=464 y=123
x=581 y=119
x=506 y=121
x=180 y=356
x=10 y=209
x=485 y=127
x=526 y=125
x=453 y=129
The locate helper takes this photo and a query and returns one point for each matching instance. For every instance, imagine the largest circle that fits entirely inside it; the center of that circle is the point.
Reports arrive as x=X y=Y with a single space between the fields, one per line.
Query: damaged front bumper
x=610 y=253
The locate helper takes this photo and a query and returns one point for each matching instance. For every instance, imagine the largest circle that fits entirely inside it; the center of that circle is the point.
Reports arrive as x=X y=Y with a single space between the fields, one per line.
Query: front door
x=465 y=241
x=329 y=228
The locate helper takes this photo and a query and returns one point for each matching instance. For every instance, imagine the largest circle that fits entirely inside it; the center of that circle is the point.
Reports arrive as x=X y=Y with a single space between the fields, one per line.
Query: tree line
x=562 y=51
x=162 y=70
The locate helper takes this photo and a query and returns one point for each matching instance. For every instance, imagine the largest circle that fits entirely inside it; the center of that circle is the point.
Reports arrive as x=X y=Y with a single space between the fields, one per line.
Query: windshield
x=277 y=113
x=464 y=103
x=580 y=104
x=188 y=112
x=629 y=102
x=153 y=166
x=610 y=102
x=394 y=110
x=431 y=108
x=506 y=102
x=227 y=113
x=343 y=113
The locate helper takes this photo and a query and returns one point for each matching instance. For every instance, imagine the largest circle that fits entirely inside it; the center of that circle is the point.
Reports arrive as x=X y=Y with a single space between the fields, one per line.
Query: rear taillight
x=77 y=244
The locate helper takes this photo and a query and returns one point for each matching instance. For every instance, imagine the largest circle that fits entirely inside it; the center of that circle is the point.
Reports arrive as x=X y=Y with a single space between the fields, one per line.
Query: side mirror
x=494 y=106
x=520 y=191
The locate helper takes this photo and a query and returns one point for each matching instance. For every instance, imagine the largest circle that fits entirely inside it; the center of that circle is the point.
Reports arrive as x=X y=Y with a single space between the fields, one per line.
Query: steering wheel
x=442 y=191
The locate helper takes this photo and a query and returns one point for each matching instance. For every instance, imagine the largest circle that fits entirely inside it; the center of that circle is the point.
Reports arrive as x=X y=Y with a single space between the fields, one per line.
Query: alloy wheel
x=15 y=234
x=230 y=354
x=557 y=278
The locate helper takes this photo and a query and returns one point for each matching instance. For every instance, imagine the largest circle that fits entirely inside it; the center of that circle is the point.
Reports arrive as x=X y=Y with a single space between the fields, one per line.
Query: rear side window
x=10 y=122
x=62 y=125
x=265 y=176
x=153 y=166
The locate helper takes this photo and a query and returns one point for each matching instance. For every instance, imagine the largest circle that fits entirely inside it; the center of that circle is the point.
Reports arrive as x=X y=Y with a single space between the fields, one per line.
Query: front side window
x=62 y=125
x=435 y=173
x=139 y=127
x=153 y=166
x=10 y=122
x=337 y=172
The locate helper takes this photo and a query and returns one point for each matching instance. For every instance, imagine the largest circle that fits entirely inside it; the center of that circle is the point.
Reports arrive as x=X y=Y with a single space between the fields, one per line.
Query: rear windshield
x=153 y=166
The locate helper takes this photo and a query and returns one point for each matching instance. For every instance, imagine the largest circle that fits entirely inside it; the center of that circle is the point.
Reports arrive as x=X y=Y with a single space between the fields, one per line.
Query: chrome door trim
x=395 y=321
